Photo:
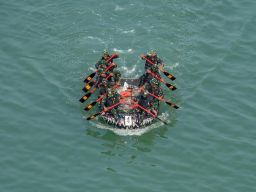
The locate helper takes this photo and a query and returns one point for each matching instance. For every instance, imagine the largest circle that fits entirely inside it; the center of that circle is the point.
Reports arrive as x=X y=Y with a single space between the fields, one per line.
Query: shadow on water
x=114 y=142
x=129 y=147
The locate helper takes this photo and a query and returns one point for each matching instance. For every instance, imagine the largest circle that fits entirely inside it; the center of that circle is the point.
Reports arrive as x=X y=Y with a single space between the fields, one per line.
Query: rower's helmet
x=110 y=92
x=152 y=53
x=104 y=82
x=117 y=73
x=154 y=68
x=154 y=82
x=105 y=53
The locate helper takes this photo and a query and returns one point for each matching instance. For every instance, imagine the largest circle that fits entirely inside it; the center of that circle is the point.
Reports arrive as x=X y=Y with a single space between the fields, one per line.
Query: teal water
x=48 y=47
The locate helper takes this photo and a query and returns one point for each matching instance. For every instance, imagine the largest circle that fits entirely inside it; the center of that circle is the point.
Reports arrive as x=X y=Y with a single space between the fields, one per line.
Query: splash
x=123 y=51
x=118 y=8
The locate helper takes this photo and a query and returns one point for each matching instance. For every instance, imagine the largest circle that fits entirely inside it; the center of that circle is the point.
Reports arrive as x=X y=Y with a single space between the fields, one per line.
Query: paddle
x=89 y=78
x=88 y=86
x=105 y=110
x=170 y=86
x=168 y=75
x=91 y=105
x=167 y=102
x=86 y=96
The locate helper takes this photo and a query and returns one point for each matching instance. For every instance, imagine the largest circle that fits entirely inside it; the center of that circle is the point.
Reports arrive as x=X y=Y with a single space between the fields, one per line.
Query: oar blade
x=170 y=86
x=90 y=106
x=89 y=78
x=85 y=97
x=92 y=116
x=172 y=105
x=88 y=86
x=169 y=76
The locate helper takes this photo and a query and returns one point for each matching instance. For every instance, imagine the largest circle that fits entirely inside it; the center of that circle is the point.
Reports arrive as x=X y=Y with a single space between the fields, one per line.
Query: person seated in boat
x=117 y=76
x=103 y=88
x=152 y=56
x=103 y=74
x=112 y=98
x=147 y=77
x=103 y=61
x=153 y=87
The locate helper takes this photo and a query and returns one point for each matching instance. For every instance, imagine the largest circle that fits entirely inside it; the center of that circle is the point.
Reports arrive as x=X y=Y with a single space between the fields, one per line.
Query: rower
x=103 y=61
x=151 y=56
x=154 y=88
x=112 y=98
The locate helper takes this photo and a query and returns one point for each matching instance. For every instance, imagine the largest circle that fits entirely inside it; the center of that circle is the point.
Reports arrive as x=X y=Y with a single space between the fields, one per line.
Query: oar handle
x=156 y=97
x=110 y=66
x=112 y=57
x=144 y=57
x=154 y=75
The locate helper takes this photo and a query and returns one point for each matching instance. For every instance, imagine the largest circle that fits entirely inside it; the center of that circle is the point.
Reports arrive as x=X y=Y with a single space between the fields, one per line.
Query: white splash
x=118 y=8
x=123 y=51
x=128 y=31
x=171 y=67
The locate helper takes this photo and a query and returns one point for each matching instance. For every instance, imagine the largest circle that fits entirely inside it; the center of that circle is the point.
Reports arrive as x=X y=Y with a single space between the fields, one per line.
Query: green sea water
x=48 y=47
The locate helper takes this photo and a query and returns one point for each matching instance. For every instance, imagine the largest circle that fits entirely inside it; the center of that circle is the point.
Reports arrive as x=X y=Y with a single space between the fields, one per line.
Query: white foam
x=123 y=51
x=128 y=31
x=118 y=8
x=171 y=67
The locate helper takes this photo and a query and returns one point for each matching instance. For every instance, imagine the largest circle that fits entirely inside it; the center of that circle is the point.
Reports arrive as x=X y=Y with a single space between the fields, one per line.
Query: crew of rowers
x=108 y=79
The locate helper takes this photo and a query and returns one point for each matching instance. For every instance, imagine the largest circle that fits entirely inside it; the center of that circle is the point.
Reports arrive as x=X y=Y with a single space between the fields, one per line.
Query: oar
x=88 y=86
x=161 y=99
x=168 y=75
x=105 y=110
x=89 y=78
x=86 y=96
x=170 y=86
x=154 y=116
x=91 y=105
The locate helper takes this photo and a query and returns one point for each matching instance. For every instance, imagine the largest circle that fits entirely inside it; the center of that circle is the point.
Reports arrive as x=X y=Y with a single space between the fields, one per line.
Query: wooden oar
x=168 y=75
x=161 y=99
x=86 y=96
x=105 y=110
x=91 y=105
x=90 y=77
x=170 y=86
x=88 y=86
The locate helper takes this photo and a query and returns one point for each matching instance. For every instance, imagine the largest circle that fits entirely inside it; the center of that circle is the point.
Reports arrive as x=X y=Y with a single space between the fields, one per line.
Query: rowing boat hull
x=125 y=117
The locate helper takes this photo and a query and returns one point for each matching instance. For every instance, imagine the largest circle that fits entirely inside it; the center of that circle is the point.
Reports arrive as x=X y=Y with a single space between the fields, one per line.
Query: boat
x=128 y=112
x=128 y=116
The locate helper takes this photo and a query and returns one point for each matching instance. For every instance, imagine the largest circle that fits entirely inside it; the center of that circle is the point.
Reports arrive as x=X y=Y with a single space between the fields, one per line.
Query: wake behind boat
x=127 y=103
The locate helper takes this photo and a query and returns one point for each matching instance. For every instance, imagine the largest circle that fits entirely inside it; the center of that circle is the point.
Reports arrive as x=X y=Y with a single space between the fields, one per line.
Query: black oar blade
x=85 y=97
x=170 y=86
x=170 y=76
x=88 y=86
x=88 y=107
x=92 y=117
x=89 y=78
x=172 y=105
